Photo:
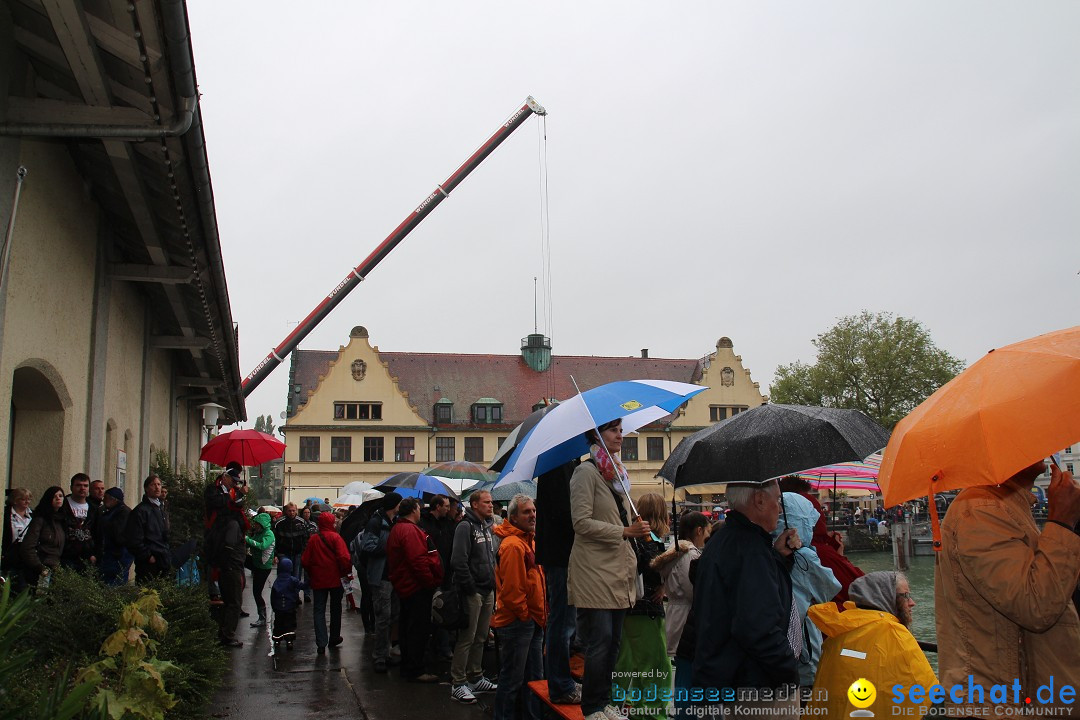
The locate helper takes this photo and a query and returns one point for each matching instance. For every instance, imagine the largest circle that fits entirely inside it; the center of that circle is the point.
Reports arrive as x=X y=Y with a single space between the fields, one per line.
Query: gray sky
x=753 y=169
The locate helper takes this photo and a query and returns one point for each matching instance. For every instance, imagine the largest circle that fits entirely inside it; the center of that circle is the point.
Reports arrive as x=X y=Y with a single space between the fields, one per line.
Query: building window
x=629 y=449
x=341 y=449
x=444 y=413
x=723 y=412
x=474 y=449
x=486 y=413
x=498 y=445
x=373 y=449
x=404 y=449
x=309 y=449
x=654 y=448
x=357 y=411
x=444 y=449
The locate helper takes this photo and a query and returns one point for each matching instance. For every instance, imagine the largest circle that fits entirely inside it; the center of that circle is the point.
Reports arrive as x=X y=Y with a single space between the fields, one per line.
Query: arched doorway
x=39 y=403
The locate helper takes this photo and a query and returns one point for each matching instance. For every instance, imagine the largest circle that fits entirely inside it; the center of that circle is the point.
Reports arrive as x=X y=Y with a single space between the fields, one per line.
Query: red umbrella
x=247 y=447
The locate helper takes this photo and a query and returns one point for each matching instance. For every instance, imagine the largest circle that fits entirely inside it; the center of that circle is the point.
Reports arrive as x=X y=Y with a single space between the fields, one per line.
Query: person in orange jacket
x=520 y=611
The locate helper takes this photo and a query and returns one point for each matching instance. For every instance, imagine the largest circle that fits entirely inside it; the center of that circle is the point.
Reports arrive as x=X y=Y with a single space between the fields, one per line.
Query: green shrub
x=68 y=624
x=191 y=645
x=130 y=678
x=58 y=700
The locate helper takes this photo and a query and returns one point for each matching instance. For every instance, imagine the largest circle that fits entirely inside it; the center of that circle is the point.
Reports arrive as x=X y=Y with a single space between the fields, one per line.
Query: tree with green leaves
x=260 y=478
x=265 y=424
x=881 y=364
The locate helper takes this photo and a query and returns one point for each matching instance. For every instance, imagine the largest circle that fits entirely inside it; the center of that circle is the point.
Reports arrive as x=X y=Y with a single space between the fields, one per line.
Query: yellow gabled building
x=359 y=413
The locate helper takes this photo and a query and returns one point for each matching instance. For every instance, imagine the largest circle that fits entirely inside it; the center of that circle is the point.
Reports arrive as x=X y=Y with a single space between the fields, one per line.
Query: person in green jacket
x=261 y=546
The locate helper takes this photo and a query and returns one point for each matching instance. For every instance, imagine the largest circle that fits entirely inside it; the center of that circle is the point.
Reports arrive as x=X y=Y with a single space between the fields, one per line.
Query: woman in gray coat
x=602 y=577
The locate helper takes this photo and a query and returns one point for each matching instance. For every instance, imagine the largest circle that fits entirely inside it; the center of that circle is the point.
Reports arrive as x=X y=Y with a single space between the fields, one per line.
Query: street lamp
x=211 y=411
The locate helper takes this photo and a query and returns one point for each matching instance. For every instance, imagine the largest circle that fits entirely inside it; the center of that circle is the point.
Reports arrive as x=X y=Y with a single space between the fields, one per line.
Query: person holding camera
x=226 y=547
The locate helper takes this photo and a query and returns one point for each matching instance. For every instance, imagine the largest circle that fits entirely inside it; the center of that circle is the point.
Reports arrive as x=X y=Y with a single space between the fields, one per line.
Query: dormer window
x=444 y=412
x=487 y=411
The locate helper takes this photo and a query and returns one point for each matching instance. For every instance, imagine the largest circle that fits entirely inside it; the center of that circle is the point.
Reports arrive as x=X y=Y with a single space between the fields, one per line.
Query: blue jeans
x=684 y=675
x=521 y=647
x=561 y=623
x=334 y=594
x=600 y=632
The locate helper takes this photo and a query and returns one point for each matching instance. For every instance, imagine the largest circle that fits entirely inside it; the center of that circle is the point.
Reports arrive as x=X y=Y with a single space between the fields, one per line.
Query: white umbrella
x=356 y=487
x=347 y=500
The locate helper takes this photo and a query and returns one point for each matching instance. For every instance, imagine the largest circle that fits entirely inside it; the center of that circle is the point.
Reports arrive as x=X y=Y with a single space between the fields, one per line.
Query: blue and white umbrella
x=406 y=483
x=558 y=436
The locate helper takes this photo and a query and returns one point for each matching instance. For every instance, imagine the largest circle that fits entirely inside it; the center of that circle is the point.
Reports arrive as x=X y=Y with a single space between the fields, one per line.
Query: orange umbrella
x=1017 y=404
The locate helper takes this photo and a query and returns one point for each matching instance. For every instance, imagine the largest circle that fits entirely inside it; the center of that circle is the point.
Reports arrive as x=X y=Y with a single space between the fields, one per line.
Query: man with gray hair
x=748 y=626
x=521 y=613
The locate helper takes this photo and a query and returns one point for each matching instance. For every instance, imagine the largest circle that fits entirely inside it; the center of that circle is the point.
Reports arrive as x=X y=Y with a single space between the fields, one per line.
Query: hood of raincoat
x=263 y=521
x=284 y=566
x=327 y=521
x=800 y=514
x=832 y=622
x=875 y=591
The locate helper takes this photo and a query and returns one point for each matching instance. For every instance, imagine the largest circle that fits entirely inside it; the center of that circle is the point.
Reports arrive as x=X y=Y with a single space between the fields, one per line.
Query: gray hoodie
x=473 y=559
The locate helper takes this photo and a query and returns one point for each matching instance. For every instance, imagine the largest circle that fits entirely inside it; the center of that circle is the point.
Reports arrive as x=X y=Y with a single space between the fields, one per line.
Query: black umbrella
x=771 y=441
x=510 y=443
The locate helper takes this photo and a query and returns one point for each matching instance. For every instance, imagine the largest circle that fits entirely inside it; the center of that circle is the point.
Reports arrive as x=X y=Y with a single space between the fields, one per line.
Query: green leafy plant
x=129 y=677
x=58 y=702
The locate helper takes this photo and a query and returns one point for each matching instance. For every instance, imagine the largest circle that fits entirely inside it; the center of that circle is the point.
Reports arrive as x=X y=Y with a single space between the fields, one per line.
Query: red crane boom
x=343 y=288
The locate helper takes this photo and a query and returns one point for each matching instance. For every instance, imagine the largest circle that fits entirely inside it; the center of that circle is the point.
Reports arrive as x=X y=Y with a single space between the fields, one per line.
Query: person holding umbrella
x=1003 y=589
x=749 y=631
x=602 y=574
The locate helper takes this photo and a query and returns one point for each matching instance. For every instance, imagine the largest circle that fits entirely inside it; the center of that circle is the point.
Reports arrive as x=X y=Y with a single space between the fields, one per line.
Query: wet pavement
x=339 y=684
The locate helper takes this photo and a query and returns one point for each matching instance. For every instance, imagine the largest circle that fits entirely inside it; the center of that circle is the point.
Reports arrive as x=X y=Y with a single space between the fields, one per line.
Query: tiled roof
x=464 y=379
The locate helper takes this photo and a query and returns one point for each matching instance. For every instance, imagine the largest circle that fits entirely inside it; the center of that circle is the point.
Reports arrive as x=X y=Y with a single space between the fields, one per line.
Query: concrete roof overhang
x=115 y=81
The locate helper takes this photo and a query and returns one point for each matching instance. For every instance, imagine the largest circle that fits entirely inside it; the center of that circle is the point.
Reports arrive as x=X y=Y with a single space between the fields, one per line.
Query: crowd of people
x=762 y=609
x=88 y=527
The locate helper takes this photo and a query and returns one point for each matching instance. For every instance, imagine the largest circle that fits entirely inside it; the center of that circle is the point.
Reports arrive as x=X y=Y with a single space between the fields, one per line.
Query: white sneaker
x=613 y=713
x=462 y=694
x=598 y=715
x=483 y=685
x=395 y=651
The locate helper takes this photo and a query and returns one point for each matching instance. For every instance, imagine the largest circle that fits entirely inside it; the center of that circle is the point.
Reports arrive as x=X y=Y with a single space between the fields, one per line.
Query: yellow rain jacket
x=868 y=644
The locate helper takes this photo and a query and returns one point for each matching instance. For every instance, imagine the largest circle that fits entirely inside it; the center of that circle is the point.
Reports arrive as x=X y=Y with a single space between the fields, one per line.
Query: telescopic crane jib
x=343 y=288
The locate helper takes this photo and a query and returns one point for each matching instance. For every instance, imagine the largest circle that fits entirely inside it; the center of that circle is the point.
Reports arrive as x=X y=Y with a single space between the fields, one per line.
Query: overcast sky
x=753 y=169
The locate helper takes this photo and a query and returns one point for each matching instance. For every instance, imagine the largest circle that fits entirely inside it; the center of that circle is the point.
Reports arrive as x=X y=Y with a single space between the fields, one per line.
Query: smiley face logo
x=862 y=693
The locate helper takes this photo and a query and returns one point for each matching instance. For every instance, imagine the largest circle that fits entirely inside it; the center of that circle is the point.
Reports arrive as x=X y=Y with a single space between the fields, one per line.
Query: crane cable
x=545 y=239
